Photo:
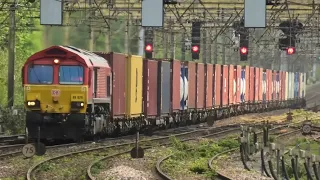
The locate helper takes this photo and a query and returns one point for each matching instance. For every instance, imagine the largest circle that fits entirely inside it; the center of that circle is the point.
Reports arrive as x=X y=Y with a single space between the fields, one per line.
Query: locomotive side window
x=40 y=74
x=71 y=75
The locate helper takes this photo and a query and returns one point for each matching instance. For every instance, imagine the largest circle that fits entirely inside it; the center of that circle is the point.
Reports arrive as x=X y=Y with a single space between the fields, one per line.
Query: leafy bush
x=12 y=121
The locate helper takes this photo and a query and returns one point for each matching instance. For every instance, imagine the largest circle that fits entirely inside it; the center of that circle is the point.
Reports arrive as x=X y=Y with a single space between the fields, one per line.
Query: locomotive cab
x=58 y=92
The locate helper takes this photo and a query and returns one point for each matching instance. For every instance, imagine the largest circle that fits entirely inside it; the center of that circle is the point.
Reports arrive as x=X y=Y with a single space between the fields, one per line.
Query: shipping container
x=209 y=85
x=260 y=84
x=177 y=92
x=247 y=77
x=217 y=84
x=264 y=85
x=184 y=87
x=302 y=85
x=251 y=84
x=277 y=85
x=286 y=83
x=273 y=95
x=296 y=85
x=280 y=85
x=164 y=87
x=269 y=85
x=134 y=69
x=238 y=81
x=256 y=84
x=117 y=63
x=192 y=85
x=150 y=87
x=290 y=85
x=232 y=87
x=225 y=85
x=243 y=85
x=200 y=82
x=283 y=85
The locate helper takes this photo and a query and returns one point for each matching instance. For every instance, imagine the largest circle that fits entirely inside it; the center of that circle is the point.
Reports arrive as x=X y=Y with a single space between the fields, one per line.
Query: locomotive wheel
x=306 y=129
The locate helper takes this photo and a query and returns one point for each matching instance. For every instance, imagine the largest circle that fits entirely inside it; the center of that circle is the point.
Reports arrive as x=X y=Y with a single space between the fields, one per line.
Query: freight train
x=71 y=93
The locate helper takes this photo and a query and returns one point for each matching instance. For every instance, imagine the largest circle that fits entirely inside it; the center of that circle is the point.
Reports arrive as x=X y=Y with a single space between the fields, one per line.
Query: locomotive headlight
x=31 y=103
x=35 y=103
x=77 y=104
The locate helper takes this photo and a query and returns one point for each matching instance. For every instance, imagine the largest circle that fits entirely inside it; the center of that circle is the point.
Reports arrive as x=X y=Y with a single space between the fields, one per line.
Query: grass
x=191 y=159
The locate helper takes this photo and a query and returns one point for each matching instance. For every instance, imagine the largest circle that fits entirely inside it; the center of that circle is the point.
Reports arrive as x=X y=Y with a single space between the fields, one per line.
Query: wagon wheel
x=306 y=129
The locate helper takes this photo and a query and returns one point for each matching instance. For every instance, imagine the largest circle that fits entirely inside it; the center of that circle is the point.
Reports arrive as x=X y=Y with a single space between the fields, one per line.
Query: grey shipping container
x=164 y=87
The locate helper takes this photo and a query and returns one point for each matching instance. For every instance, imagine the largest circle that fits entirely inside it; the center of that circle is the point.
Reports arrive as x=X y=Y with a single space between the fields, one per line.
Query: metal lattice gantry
x=218 y=17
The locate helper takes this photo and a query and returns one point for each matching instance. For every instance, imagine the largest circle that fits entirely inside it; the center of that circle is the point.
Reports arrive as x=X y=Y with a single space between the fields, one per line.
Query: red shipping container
x=217 y=84
x=117 y=63
x=150 y=87
x=200 y=86
x=192 y=85
x=225 y=85
x=176 y=65
x=239 y=68
x=257 y=83
x=260 y=84
x=209 y=85
x=251 y=84
x=247 y=83
x=269 y=85
x=231 y=84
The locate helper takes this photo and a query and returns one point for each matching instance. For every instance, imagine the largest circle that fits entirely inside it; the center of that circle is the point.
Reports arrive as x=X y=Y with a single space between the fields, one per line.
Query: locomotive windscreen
x=40 y=74
x=71 y=75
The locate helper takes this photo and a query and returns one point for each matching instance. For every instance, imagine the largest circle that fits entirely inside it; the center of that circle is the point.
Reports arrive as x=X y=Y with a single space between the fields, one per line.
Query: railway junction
x=166 y=89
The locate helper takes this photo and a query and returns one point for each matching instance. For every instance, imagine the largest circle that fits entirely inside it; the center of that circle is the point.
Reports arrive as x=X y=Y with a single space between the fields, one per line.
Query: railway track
x=224 y=176
x=166 y=177
x=14 y=150
x=219 y=132
x=125 y=147
x=11 y=139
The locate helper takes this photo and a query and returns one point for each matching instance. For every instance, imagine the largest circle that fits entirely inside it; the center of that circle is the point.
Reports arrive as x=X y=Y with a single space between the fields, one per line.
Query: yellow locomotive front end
x=56 y=99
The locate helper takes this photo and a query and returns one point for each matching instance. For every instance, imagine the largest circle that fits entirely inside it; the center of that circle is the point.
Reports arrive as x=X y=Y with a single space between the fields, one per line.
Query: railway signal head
x=291 y=50
x=195 y=51
x=148 y=50
x=243 y=53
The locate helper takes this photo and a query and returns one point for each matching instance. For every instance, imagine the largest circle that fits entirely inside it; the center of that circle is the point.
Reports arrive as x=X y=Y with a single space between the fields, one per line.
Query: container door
x=217 y=85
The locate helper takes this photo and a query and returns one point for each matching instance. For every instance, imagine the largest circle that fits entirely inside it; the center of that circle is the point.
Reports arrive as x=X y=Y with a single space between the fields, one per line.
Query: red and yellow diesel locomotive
x=60 y=85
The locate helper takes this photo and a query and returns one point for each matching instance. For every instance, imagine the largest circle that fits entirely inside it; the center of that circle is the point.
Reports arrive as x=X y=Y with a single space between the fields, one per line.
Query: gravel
x=126 y=172
x=126 y=168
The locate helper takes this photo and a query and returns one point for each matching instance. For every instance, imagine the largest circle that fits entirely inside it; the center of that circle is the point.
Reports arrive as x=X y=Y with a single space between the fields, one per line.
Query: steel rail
x=31 y=169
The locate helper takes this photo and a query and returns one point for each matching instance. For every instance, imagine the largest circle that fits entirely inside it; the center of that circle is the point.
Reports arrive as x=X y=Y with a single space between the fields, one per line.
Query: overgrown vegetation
x=192 y=158
x=303 y=144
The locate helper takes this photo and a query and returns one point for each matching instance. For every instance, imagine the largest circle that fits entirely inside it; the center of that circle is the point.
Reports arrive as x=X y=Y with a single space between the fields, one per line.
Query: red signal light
x=290 y=50
x=244 y=50
x=195 y=48
x=149 y=47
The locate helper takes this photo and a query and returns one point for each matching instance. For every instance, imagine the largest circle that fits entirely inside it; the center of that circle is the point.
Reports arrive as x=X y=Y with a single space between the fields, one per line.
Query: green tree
x=27 y=42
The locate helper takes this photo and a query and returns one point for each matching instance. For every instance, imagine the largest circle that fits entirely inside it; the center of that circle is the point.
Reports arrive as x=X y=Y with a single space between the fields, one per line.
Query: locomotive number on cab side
x=77 y=97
